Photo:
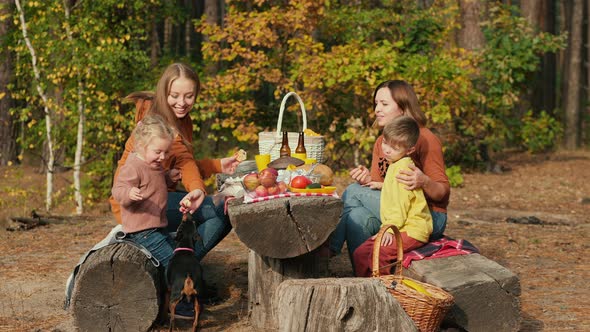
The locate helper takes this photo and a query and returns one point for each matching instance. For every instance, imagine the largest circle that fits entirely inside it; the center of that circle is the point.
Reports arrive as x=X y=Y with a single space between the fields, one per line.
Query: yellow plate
x=324 y=190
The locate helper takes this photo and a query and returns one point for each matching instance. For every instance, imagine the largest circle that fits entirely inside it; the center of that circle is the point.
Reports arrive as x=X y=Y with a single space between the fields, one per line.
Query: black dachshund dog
x=184 y=274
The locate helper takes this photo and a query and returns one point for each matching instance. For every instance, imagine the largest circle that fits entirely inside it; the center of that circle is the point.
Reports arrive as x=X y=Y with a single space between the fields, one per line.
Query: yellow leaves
x=33 y=4
x=2 y=94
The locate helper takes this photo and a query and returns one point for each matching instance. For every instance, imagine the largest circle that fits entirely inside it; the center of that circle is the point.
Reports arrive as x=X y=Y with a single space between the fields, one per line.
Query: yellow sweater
x=403 y=208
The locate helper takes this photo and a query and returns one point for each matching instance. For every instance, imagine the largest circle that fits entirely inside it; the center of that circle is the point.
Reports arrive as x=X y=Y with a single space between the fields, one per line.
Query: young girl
x=406 y=209
x=141 y=188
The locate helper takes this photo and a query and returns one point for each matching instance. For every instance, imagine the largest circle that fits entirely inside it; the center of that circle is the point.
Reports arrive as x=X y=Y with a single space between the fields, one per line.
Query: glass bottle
x=301 y=144
x=285 y=149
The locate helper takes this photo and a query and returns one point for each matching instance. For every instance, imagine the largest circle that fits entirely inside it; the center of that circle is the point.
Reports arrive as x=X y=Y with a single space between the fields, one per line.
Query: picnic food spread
x=316 y=178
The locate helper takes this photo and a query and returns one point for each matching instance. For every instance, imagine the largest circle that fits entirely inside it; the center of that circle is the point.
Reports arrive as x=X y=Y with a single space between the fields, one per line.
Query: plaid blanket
x=443 y=247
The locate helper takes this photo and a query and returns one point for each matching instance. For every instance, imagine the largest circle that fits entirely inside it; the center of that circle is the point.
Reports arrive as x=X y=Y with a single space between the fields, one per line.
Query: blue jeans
x=359 y=219
x=157 y=241
x=211 y=221
x=439 y=223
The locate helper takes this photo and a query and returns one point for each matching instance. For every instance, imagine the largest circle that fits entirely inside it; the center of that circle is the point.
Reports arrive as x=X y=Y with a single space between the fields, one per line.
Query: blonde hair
x=404 y=96
x=150 y=127
x=160 y=106
x=402 y=131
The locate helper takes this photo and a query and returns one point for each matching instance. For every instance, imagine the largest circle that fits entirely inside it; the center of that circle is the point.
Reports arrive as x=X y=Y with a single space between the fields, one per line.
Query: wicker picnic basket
x=270 y=142
x=426 y=304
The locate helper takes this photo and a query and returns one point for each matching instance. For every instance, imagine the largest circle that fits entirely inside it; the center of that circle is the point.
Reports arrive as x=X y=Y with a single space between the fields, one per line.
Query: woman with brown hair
x=360 y=217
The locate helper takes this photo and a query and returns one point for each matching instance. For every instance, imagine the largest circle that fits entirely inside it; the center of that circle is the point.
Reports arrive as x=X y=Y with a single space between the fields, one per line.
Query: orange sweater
x=180 y=156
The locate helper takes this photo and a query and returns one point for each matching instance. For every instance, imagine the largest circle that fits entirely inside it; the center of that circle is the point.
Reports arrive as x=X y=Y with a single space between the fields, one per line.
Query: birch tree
x=81 y=117
x=46 y=108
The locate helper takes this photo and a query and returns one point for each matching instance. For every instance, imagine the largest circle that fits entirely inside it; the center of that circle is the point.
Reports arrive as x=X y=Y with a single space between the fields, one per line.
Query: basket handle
x=377 y=245
x=282 y=109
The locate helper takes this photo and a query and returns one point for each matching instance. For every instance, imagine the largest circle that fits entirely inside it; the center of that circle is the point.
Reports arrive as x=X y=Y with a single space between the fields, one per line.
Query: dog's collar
x=184 y=249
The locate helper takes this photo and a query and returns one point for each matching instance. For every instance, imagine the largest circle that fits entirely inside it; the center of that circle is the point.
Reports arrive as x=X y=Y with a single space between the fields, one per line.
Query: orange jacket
x=180 y=157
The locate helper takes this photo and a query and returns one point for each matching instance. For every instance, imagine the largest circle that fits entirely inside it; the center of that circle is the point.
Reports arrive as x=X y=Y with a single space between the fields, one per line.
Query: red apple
x=274 y=190
x=282 y=187
x=251 y=181
x=270 y=170
x=261 y=191
x=267 y=177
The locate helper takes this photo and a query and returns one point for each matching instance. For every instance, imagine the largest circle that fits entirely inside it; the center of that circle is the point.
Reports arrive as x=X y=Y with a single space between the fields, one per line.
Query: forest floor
x=550 y=257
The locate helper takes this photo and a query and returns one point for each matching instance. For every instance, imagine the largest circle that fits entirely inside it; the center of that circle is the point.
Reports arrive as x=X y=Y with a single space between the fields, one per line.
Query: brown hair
x=160 y=106
x=404 y=96
x=150 y=127
x=402 y=131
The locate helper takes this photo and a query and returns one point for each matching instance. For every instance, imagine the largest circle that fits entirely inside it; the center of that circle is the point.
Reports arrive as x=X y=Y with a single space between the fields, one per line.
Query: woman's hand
x=229 y=164
x=361 y=174
x=191 y=202
x=412 y=178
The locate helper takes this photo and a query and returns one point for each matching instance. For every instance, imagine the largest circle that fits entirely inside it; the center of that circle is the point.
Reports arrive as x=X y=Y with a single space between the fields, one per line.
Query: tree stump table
x=281 y=234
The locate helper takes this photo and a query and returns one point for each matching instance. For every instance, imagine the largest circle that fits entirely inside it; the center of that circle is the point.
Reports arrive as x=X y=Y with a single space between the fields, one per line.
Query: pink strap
x=183 y=249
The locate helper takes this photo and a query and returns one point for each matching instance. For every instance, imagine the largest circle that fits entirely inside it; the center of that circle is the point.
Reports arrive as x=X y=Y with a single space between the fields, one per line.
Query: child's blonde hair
x=402 y=131
x=150 y=127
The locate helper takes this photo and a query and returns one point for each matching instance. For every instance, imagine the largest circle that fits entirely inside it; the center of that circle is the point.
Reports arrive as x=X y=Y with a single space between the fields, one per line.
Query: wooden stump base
x=339 y=304
x=116 y=289
x=265 y=274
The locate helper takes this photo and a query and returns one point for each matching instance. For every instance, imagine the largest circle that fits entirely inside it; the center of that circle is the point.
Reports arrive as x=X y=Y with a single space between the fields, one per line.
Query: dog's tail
x=189 y=287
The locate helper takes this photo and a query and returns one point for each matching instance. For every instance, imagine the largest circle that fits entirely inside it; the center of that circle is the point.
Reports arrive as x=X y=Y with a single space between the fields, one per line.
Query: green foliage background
x=333 y=55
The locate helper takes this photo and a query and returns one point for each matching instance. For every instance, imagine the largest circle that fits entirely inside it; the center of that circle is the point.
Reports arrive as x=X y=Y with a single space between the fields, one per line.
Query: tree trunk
x=154 y=44
x=545 y=93
x=46 y=109
x=81 y=119
x=344 y=304
x=470 y=36
x=212 y=13
x=573 y=78
x=117 y=289
x=7 y=129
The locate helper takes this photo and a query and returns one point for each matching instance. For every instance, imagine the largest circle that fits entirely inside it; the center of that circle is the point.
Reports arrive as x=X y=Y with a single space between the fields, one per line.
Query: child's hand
x=175 y=175
x=191 y=202
x=387 y=239
x=135 y=194
x=374 y=185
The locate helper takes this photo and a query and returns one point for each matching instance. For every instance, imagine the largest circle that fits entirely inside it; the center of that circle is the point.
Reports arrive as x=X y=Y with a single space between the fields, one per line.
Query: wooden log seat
x=338 y=304
x=486 y=293
x=116 y=289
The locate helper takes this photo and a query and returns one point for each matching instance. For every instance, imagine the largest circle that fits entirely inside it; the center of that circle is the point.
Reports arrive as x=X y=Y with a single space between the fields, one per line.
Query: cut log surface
x=285 y=227
x=116 y=289
x=343 y=304
x=486 y=293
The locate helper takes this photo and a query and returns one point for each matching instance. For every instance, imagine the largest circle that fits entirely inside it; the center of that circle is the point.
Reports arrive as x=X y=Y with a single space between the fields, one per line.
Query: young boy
x=405 y=209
